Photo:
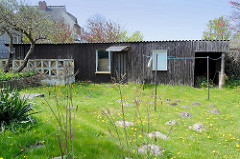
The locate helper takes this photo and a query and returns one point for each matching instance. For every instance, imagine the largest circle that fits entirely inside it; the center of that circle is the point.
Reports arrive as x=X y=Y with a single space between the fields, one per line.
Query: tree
x=61 y=32
x=218 y=29
x=100 y=29
x=25 y=20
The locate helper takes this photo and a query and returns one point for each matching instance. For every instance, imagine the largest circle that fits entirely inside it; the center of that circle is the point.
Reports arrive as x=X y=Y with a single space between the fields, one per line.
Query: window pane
x=103 y=61
x=162 y=60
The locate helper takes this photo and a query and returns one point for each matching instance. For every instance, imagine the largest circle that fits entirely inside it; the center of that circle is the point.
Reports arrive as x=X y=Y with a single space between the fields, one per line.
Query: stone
x=214 y=111
x=137 y=100
x=212 y=105
x=72 y=107
x=88 y=96
x=168 y=100
x=110 y=103
x=195 y=104
x=60 y=157
x=177 y=101
x=30 y=95
x=197 y=127
x=154 y=149
x=156 y=134
x=185 y=107
x=172 y=122
x=121 y=123
x=127 y=104
x=173 y=104
x=89 y=90
x=185 y=114
x=121 y=101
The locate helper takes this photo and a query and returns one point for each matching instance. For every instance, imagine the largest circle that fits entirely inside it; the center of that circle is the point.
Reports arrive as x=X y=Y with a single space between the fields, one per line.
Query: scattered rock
x=173 y=104
x=177 y=101
x=121 y=101
x=156 y=134
x=212 y=105
x=110 y=103
x=72 y=107
x=168 y=100
x=172 y=122
x=195 y=103
x=89 y=90
x=121 y=123
x=214 y=111
x=137 y=100
x=88 y=95
x=154 y=149
x=197 y=127
x=108 y=86
x=127 y=104
x=185 y=114
x=30 y=95
x=185 y=107
x=60 y=157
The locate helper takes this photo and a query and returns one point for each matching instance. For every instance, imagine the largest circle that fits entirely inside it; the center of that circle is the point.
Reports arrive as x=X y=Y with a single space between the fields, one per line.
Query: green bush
x=13 y=108
x=10 y=75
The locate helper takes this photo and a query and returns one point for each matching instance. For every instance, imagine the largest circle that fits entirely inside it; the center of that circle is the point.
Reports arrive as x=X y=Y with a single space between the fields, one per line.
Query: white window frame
x=109 y=60
x=160 y=60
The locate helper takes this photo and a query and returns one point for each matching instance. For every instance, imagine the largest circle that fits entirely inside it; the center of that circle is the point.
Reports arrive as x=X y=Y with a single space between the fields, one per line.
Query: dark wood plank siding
x=179 y=71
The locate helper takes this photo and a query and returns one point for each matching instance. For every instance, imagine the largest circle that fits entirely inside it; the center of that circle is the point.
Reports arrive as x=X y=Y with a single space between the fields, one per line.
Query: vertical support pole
x=208 y=76
x=143 y=72
x=222 y=74
x=155 y=101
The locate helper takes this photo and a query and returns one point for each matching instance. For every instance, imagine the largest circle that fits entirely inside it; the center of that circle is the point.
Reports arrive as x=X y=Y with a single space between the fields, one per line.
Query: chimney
x=42 y=5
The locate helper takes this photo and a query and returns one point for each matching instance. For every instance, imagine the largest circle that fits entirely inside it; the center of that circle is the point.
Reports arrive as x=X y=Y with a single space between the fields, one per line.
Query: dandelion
x=237 y=146
x=25 y=156
x=9 y=137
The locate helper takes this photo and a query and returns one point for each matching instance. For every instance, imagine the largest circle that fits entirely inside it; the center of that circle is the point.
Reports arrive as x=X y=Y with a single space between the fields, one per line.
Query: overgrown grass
x=10 y=75
x=95 y=136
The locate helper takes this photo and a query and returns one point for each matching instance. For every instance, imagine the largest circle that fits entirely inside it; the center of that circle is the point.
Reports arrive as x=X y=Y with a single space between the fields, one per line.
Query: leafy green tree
x=100 y=29
x=217 y=29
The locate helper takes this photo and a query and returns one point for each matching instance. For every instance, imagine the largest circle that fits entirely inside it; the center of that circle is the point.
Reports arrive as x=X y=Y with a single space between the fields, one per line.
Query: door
x=120 y=66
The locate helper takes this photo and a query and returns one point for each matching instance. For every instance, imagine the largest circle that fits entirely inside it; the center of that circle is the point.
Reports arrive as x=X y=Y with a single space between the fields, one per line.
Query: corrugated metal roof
x=122 y=42
x=117 y=48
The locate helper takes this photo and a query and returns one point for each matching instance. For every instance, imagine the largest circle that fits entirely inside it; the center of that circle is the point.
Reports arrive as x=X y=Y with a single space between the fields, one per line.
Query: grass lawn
x=95 y=133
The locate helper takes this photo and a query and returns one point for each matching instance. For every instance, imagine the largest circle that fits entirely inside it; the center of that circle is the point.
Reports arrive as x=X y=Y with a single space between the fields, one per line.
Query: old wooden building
x=178 y=62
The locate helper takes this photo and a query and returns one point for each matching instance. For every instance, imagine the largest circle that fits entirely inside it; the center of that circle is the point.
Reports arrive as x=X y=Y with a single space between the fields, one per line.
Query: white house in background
x=58 y=13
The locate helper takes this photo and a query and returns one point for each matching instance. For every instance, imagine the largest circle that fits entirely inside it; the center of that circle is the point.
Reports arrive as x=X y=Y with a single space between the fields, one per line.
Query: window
x=103 y=61
x=161 y=61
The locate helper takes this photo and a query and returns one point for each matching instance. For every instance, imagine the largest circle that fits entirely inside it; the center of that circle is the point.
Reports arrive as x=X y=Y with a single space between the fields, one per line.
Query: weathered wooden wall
x=180 y=71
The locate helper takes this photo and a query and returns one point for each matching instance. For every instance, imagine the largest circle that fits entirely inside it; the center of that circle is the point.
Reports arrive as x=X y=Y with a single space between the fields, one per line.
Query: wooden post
x=155 y=101
x=222 y=73
x=208 y=76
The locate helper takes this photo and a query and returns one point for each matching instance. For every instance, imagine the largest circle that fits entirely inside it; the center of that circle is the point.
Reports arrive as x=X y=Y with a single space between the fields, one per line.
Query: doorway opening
x=200 y=70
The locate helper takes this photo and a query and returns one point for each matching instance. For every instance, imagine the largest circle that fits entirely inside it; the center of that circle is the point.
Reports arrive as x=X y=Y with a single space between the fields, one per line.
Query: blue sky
x=156 y=19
